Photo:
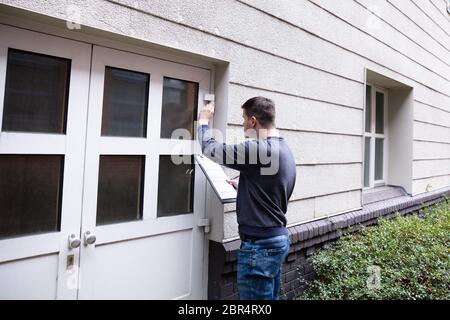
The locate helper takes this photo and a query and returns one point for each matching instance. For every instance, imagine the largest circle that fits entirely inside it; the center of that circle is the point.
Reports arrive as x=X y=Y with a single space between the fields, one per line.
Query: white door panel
x=30 y=274
x=147 y=257
x=157 y=267
x=30 y=278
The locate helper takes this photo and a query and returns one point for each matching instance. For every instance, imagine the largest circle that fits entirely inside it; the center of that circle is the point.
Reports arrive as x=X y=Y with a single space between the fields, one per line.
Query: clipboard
x=217 y=179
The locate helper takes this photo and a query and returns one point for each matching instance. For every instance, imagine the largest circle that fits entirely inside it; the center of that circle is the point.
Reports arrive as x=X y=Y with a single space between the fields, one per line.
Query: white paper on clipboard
x=217 y=178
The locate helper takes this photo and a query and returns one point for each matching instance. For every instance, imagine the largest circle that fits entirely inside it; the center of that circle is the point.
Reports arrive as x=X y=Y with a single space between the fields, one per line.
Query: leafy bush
x=401 y=258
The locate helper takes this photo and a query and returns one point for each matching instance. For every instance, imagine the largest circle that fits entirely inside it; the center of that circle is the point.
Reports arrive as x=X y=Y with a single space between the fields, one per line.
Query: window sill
x=382 y=193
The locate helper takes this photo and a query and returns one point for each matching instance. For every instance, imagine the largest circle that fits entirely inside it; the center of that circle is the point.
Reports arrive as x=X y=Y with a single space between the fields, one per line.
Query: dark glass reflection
x=120 y=189
x=30 y=194
x=36 y=93
x=179 y=106
x=379 y=117
x=379 y=159
x=125 y=103
x=175 y=187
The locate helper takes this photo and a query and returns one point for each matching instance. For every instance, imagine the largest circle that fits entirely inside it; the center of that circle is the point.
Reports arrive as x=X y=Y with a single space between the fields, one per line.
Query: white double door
x=115 y=217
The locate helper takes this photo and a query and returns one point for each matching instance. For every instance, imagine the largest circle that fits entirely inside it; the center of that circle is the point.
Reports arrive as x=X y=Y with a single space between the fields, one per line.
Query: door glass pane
x=179 y=106
x=36 y=93
x=366 y=161
x=368 y=115
x=30 y=194
x=120 y=189
x=379 y=118
x=125 y=103
x=379 y=159
x=175 y=187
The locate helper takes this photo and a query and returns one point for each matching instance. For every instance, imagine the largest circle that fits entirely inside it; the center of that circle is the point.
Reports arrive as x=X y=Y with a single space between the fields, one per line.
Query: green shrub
x=411 y=254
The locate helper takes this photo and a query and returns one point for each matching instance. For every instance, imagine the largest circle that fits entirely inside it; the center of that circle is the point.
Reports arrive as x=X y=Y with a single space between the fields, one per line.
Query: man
x=266 y=181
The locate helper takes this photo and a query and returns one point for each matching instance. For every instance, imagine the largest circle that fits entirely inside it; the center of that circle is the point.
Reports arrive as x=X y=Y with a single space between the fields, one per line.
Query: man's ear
x=254 y=121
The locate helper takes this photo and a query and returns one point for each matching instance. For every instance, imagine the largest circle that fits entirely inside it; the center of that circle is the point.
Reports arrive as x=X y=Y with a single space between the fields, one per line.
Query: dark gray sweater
x=266 y=181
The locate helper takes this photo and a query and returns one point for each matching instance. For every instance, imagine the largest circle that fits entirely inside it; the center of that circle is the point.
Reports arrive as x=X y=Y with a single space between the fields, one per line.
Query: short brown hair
x=263 y=109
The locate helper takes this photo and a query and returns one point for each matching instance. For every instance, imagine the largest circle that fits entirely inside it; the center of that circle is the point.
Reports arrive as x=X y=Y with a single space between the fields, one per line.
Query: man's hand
x=234 y=182
x=206 y=113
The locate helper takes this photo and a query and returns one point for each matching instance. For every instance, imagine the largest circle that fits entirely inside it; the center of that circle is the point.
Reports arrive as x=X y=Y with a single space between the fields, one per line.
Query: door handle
x=89 y=238
x=74 y=241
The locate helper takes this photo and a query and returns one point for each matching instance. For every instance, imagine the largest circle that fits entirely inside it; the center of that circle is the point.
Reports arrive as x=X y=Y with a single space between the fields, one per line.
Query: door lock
x=89 y=238
x=74 y=241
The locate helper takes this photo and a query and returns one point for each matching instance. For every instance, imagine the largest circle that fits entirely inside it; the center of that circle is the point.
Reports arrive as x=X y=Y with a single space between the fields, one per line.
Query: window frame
x=373 y=136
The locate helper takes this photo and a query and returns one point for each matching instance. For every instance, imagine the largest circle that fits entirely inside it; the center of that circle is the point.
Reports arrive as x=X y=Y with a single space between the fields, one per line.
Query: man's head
x=258 y=113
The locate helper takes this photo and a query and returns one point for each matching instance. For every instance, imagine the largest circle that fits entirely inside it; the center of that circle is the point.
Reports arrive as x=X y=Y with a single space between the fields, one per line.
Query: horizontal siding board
x=270 y=72
x=339 y=202
x=441 y=6
x=430 y=150
x=422 y=20
x=317 y=148
x=214 y=17
x=428 y=132
x=424 y=95
x=295 y=113
x=361 y=18
x=431 y=168
x=320 y=180
x=423 y=112
x=406 y=26
x=301 y=210
x=433 y=183
x=352 y=39
x=427 y=33
x=313 y=148
x=434 y=16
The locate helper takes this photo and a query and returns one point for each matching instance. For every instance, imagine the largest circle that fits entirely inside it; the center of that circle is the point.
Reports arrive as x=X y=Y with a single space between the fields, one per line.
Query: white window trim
x=372 y=182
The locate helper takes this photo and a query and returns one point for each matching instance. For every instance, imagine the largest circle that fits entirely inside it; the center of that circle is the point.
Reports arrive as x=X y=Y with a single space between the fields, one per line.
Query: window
x=125 y=103
x=36 y=93
x=120 y=189
x=375 y=137
x=175 y=187
x=30 y=194
x=179 y=106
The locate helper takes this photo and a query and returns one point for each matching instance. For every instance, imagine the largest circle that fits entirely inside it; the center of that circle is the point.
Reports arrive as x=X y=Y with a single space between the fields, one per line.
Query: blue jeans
x=259 y=267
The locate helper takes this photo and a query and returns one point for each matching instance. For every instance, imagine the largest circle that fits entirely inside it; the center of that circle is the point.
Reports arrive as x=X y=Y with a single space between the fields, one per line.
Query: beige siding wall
x=309 y=56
